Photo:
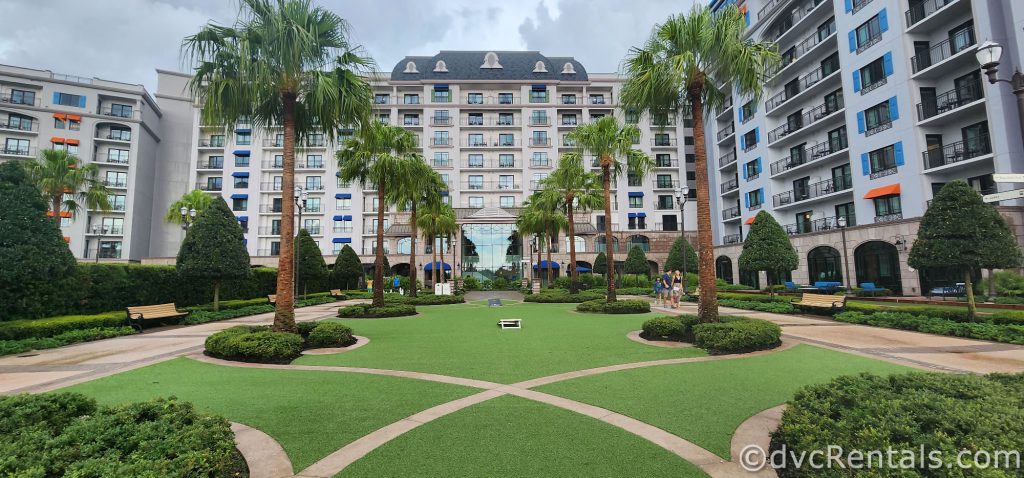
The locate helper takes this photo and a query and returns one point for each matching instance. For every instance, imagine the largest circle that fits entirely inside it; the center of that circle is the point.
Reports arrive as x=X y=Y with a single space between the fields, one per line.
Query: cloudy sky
x=126 y=40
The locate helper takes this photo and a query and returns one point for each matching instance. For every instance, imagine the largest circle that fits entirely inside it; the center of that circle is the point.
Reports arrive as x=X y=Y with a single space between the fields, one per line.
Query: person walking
x=659 y=291
x=677 y=289
x=666 y=289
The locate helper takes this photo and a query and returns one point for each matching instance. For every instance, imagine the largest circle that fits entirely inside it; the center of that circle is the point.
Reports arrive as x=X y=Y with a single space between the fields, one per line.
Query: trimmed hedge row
x=204 y=316
x=1013 y=334
x=424 y=299
x=601 y=306
x=731 y=335
x=8 y=347
x=762 y=306
x=563 y=297
x=368 y=311
x=957 y=314
x=944 y=413
x=53 y=326
x=329 y=334
x=67 y=434
x=247 y=343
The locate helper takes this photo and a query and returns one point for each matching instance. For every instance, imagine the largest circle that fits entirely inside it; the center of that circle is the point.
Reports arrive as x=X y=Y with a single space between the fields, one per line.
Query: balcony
x=930 y=14
x=489 y=163
x=441 y=121
x=491 y=186
x=883 y=171
x=440 y=141
x=599 y=100
x=665 y=183
x=957 y=152
x=540 y=121
x=19 y=125
x=951 y=100
x=666 y=163
x=726 y=132
x=111 y=158
x=731 y=213
x=113 y=135
x=542 y=142
x=664 y=142
x=726 y=107
x=800 y=51
x=270 y=209
x=211 y=165
x=107 y=231
x=940 y=54
x=817 y=152
x=812 y=191
x=268 y=252
x=540 y=163
x=898 y=216
x=115 y=183
x=858 y=5
x=411 y=122
x=211 y=142
x=209 y=186
x=667 y=227
x=727 y=159
x=732 y=239
x=817 y=225
x=308 y=143
x=878 y=128
x=497 y=143
x=21 y=152
x=806 y=82
x=120 y=113
x=730 y=185
x=9 y=97
x=813 y=116
x=272 y=186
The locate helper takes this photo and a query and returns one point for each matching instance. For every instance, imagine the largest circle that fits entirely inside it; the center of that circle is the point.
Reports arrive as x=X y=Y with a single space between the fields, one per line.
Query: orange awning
x=71 y=141
x=57 y=140
x=75 y=117
x=62 y=213
x=67 y=239
x=749 y=221
x=883 y=191
x=60 y=116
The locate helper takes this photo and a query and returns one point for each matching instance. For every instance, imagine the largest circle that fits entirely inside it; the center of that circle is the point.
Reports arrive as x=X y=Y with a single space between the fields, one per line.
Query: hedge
x=204 y=316
x=737 y=335
x=8 y=347
x=246 y=343
x=557 y=296
x=1013 y=334
x=666 y=328
x=67 y=434
x=367 y=311
x=424 y=299
x=329 y=334
x=775 y=307
x=601 y=306
x=49 y=327
x=944 y=413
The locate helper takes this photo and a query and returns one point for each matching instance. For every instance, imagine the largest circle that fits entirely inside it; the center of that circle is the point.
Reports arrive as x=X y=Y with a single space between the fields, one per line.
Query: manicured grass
x=463 y=340
x=704 y=402
x=513 y=437
x=311 y=414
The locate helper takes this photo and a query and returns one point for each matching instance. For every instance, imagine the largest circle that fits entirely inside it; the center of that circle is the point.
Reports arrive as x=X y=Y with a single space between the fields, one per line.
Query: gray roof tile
x=465 y=65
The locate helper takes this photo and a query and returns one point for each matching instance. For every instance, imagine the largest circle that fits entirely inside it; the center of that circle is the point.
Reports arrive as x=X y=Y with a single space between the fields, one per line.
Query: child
x=659 y=289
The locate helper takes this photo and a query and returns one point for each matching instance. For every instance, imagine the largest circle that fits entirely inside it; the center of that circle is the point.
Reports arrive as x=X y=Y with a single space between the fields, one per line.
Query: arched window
x=410 y=67
x=441 y=67
x=540 y=67
x=824 y=264
x=878 y=262
x=640 y=241
x=723 y=268
x=404 y=245
x=600 y=246
x=581 y=244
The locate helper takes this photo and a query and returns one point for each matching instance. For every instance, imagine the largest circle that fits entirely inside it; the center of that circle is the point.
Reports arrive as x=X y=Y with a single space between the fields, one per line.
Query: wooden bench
x=822 y=301
x=510 y=324
x=336 y=293
x=272 y=298
x=151 y=312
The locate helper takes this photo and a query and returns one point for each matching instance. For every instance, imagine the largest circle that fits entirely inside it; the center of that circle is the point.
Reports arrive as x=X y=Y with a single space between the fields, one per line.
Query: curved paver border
x=672 y=344
x=360 y=341
x=264 y=456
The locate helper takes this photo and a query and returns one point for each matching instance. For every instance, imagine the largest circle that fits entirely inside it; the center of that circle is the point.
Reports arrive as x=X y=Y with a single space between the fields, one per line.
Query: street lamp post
x=300 y=205
x=99 y=231
x=188 y=216
x=988 y=56
x=682 y=195
x=841 y=222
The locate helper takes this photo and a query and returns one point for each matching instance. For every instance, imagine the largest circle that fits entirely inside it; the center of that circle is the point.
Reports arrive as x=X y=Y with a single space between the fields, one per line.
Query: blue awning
x=539 y=87
x=242 y=218
x=239 y=196
x=544 y=265
x=342 y=240
x=636 y=194
x=242 y=152
x=339 y=218
x=641 y=214
x=441 y=87
x=632 y=214
x=343 y=196
x=348 y=218
x=583 y=269
x=240 y=174
x=430 y=266
x=243 y=130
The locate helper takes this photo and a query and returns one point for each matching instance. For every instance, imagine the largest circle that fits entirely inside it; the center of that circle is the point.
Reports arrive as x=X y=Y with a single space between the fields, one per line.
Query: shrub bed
x=776 y=307
x=424 y=299
x=1002 y=332
x=757 y=297
x=550 y=296
x=669 y=327
x=944 y=413
x=49 y=327
x=646 y=291
x=737 y=335
x=204 y=316
x=65 y=434
x=368 y=311
x=330 y=334
x=601 y=306
x=8 y=347
x=245 y=343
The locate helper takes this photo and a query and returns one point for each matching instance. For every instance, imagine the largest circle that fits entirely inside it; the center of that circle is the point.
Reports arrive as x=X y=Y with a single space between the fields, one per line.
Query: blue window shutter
x=81 y=101
x=887 y=63
x=760 y=195
x=758 y=165
x=849 y=5
x=894 y=111
x=56 y=98
x=746 y=17
x=853 y=40
x=739 y=113
x=856 y=80
x=744 y=172
x=860 y=121
x=883 y=21
x=865 y=165
x=898 y=152
x=743 y=142
x=757 y=135
x=746 y=200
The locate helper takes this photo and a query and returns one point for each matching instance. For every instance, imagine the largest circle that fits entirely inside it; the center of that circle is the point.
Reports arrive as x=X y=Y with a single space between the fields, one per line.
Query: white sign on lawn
x=1004 y=196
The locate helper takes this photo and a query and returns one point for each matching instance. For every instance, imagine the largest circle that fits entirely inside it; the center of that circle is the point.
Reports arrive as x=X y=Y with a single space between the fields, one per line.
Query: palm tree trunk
x=707 y=306
x=606 y=179
x=56 y=210
x=573 y=273
x=378 y=264
x=284 y=316
x=551 y=276
x=412 y=253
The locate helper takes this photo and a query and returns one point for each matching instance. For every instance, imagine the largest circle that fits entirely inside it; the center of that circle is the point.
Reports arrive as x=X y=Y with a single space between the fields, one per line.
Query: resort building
x=875 y=106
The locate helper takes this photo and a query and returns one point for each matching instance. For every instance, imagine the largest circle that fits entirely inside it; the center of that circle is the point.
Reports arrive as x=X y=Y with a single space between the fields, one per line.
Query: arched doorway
x=585 y=267
x=654 y=267
x=600 y=246
x=640 y=241
x=878 y=262
x=401 y=269
x=750 y=278
x=723 y=268
x=824 y=263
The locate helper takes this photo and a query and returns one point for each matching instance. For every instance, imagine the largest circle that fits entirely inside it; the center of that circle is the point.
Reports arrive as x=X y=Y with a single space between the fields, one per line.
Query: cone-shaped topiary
x=636 y=262
x=37 y=268
x=312 y=267
x=675 y=256
x=214 y=248
x=767 y=248
x=960 y=231
x=348 y=270
x=601 y=263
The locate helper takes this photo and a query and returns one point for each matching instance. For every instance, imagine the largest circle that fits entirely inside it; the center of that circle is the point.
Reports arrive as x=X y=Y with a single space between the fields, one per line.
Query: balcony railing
x=889 y=217
x=270 y=186
x=483 y=143
x=732 y=239
x=490 y=163
x=540 y=121
x=491 y=186
x=113 y=159
x=731 y=213
x=817 y=225
x=540 y=163
x=17 y=151
x=769 y=7
x=730 y=185
x=440 y=141
x=660 y=142
x=268 y=252
x=440 y=121
x=807 y=155
x=120 y=113
x=957 y=152
x=481 y=121
x=115 y=183
x=21 y=125
x=725 y=106
x=807 y=119
x=210 y=165
x=728 y=130
x=540 y=141
x=661 y=226
x=727 y=159
x=858 y=5
x=666 y=163
x=8 y=96
x=924 y=10
x=211 y=143
x=886 y=170
x=878 y=128
x=209 y=186
x=815 y=190
x=804 y=46
x=950 y=100
x=665 y=183
x=270 y=208
x=869 y=43
x=964 y=39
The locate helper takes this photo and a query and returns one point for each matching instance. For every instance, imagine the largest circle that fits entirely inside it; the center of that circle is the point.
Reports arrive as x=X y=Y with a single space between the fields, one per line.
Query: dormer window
x=410 y=67
x=568 y=69
x=491 y=60
x=539 y=67
x=441 y=67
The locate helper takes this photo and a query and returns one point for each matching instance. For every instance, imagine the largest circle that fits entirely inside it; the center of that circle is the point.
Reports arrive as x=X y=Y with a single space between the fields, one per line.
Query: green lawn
x=704 y=402
x=464 y=340
x=311 y=414
x=514 y=437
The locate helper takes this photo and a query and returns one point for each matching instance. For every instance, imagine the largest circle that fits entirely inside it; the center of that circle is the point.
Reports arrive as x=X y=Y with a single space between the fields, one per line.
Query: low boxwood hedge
x=330 y=334
x=424 y=299
x=28 y=328
x=601 y=306
x=246 y=343
x=204 y=316
x=736 y=335
x=67 y=434
x=1002 y=332
x=943 y=413
x=368 y=311
x=558 y=296
x=762 y=306
x=663 y=328
x=8 y=347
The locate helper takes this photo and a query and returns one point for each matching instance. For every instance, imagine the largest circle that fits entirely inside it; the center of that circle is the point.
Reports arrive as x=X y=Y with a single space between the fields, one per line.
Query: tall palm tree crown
x=66 y=183
x=613 y=146
x=422 y=186
x=573 y=188
x=686 y=68
x=437 y=221
x=382 y=156
x=288 y=63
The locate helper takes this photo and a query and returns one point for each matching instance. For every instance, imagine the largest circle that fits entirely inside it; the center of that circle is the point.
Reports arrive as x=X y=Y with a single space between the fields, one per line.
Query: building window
x=750 y=140
x=476 y=139
x=506 y=181
x=882 y=159
x=868 y=33
x=16 y=146
x=381 y=98
x=540 y=158
x=505 y=99
x=568 y=99
x=242 y=182
x=442 y=96
x=343 y=204
x=506 y=119
x=888 y=205
x=242 y=161
x=665 y=202
x=633 y=180
x=441 y=138
x=753 y=199
x=751 y=168
x=442 y=160
x=411 y=120
x=239 y=204
x=313 y=183
x=65 y=99
x=662 y=139
x=636 y=202
x=411 y=99
x=475 y=99
x=846 y=210
x=871 y=74
x=506 y=161
x=507 y=201
x=121 y=111
x=243 y=138
x=691 y=158
x=475 y=119
x=476 y=201
x=538 y=96
x=664 y=181
x=476 y=181
x=384 y=118
x=110 y=249
x=877 y=118
x=23 y=97
x=688 y=140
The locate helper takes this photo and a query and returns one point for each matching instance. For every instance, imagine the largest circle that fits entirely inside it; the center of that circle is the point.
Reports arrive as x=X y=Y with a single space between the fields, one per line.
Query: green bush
x=774 y=307
x=757 y=297
x=263 y=307
x=254 y=344
x=736 y=336
x=65 y=434
x=367 y=311
x=8 y=347
x=721 y=284
x=1006 y=318
x=49 y=327
x=1003 y=332
x=471 y=283
x=601 y=306
x=667 y=327
x=857 y=291
x=424 y=299
x=944 y=413
x=330 y=334
x=558 y=296
x=956 y=314
x=1008 y=284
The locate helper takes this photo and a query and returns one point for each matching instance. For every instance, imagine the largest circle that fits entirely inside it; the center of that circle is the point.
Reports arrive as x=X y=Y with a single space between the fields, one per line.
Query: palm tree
x=436 y=221
x=686 y=67
x=383 y=156
x=422 y=186
x=194 y=199
x=287 y=63
x=541 y=214
x=612 y=144
x=572 y=186
x=529 y=223
x=66 y=183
